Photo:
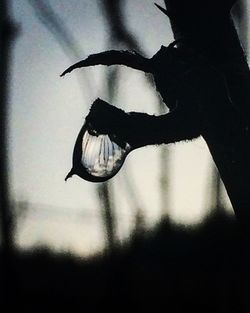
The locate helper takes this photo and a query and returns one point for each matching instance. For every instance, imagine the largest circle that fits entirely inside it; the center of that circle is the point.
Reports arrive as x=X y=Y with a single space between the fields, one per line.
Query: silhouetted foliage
x=168 y=269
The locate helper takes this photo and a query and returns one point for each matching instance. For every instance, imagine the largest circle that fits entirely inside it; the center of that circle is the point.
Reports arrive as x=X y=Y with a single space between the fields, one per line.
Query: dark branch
x=55 y=24
x=166 y=12
x=119 y=31
x=113 y=57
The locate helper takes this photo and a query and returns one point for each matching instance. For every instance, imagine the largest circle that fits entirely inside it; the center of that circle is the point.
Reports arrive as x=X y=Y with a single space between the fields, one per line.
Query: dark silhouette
x=8 y=30
x=168 y=269
x=203 y=78
x=7 y=33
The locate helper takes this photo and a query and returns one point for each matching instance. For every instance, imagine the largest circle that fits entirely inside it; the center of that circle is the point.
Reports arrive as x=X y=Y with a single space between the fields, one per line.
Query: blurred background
x=45 y=113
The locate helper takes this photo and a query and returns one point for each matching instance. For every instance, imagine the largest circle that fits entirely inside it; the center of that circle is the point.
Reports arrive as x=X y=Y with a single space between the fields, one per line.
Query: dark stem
x=6 y=28
x=113 y=57
x=213 y=35
x=8 y=282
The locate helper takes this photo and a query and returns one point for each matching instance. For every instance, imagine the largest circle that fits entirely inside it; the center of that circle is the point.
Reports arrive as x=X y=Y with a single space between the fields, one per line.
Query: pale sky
x=46 y=113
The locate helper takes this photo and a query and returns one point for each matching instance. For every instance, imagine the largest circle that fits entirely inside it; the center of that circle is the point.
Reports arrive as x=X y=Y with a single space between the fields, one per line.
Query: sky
x=46 y=113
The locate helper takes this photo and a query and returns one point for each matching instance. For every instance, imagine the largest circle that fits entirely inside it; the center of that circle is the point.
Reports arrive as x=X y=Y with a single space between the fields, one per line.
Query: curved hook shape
x=113 y=57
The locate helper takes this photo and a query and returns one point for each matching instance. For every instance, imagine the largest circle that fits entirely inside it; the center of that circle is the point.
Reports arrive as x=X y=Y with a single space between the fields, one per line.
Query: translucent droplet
x=101 y=156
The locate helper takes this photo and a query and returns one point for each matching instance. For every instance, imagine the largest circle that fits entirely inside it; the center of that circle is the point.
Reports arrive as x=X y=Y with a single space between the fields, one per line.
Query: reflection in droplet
x=101 y=156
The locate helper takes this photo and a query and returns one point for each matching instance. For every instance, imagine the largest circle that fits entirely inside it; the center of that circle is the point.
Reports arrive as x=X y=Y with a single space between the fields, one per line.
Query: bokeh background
x=45 y=113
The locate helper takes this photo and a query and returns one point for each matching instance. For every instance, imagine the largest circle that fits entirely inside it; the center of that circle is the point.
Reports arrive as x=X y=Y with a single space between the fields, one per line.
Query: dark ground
x=168 y=269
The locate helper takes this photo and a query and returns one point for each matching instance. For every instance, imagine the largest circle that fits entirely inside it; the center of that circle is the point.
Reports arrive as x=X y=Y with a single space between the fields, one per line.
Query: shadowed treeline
x=168 y=269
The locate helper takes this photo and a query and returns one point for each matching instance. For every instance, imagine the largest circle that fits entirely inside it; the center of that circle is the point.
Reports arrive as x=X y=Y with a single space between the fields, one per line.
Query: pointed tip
x=69 y=69
x=70 y=174
x=161 y=9
x=63 y=73
x=73 y=67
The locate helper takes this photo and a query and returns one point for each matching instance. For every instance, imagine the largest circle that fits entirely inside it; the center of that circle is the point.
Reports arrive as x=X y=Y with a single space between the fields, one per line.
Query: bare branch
x=113 y=57
x=54 y=23
x=119 y=31
x=56 y=26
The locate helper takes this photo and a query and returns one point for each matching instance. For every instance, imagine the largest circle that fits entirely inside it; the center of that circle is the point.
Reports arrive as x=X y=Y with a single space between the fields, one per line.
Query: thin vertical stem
x=6 y=29
x=105 y=197
x=164 y=173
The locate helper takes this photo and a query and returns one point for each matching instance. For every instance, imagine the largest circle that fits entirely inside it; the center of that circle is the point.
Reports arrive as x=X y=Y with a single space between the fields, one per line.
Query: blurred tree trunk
x=241 y=16
x=165 y=166
x=8 y=282
x=7 y=32
x=216 y=190
x=107 y=210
